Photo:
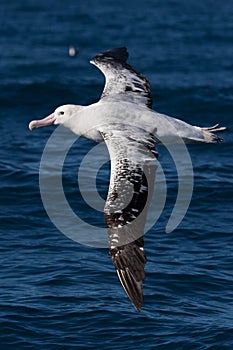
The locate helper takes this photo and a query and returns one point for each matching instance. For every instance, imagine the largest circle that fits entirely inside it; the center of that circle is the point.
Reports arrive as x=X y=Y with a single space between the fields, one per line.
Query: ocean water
x=56 y=293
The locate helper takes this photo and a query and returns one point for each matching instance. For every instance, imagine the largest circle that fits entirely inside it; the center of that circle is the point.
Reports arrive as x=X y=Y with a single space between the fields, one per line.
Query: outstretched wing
x=123 y=83
x=131 y=185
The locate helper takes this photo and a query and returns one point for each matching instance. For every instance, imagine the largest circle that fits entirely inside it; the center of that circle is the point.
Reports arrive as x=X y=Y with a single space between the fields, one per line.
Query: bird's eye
x=61 y=113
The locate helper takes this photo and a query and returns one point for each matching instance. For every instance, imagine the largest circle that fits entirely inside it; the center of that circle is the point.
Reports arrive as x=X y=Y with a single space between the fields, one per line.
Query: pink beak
x=42 y=122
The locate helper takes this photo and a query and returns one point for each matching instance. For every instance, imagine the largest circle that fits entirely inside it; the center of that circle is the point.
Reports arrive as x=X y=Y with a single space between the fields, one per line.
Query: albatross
x=123 y=118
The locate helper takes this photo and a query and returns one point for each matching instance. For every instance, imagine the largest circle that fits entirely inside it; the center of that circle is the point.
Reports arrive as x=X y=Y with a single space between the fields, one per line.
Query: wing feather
x=131 y=185
x=123 y=83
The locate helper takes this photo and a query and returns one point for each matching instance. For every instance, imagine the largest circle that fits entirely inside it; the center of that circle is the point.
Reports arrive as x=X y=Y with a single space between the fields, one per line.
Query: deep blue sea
x=56 y=293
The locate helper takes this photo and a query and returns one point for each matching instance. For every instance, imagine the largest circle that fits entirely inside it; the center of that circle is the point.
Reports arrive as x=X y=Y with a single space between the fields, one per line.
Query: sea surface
x=58 y=293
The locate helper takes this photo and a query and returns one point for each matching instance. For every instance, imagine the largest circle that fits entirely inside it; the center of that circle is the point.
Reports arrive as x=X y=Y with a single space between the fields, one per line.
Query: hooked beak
x=34 y=124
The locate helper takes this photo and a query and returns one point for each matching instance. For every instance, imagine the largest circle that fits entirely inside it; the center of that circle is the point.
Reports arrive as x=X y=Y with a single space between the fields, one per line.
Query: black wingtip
x=129 y=261
x=119 y=54
x=133 y=288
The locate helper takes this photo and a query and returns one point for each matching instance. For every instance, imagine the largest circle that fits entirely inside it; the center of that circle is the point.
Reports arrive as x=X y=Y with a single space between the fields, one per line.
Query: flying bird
x=123 y=118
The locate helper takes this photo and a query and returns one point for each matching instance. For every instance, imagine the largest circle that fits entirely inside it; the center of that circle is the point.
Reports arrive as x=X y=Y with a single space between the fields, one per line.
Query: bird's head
x=59 y=116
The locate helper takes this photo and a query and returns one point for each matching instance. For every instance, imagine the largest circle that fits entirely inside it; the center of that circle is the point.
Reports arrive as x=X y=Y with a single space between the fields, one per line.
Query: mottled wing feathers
x=131 y=185
x=123 y=83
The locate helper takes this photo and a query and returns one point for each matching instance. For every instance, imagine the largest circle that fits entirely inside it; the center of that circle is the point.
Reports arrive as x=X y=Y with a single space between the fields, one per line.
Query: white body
x=89 y=120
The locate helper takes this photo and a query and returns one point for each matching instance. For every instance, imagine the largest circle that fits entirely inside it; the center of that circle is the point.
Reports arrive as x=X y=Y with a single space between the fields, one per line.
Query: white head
x=59 y=116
